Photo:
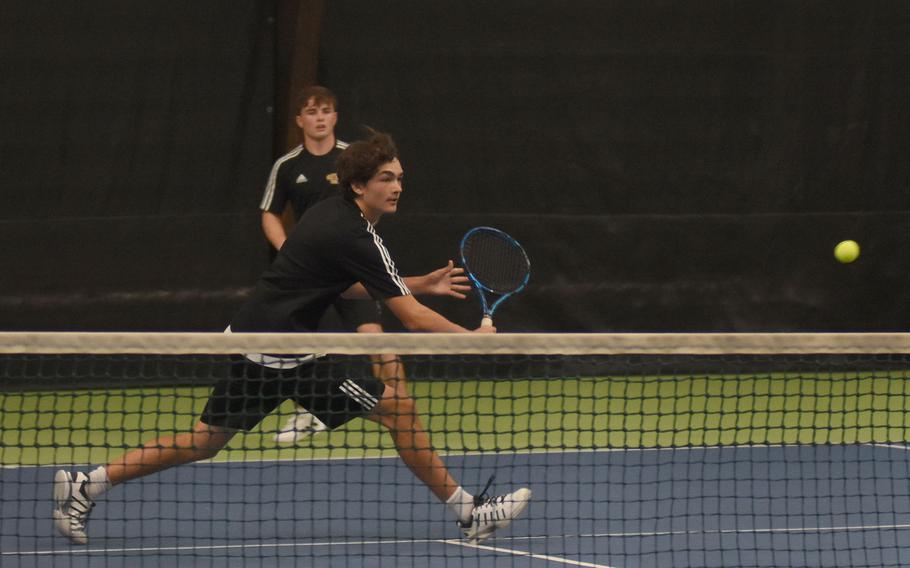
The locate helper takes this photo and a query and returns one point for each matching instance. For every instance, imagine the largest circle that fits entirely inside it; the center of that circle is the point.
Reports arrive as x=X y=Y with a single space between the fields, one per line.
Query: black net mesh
x=632 y=460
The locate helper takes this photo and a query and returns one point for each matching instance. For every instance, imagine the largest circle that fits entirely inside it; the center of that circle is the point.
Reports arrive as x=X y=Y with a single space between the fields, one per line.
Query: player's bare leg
x=75 y=495
x=203 y=442
x=387 y=367
x=478 y=517
x=398 y=413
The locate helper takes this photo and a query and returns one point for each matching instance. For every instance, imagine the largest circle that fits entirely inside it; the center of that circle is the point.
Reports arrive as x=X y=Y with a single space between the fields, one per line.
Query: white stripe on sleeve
x=273 y=178
x=390 y=267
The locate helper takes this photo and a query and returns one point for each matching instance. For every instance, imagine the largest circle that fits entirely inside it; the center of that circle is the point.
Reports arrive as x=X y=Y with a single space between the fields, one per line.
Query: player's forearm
x=416 y=284
x=421 y=285
x=427 y=320
x=445 y=281
x=273 y=229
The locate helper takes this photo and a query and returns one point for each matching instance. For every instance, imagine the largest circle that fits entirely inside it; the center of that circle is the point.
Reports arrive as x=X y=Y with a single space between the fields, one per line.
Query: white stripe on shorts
x=358 y=394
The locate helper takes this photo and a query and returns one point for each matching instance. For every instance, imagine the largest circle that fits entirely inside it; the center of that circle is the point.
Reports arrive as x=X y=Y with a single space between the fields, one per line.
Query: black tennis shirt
x=331 y=248
x=302 y=179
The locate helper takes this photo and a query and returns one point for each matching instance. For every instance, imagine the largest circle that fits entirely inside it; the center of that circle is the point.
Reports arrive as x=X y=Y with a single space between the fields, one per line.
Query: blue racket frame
x=481 y=288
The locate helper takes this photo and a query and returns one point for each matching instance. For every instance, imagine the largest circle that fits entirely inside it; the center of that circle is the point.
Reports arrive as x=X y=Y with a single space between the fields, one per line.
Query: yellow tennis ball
x=846 y=251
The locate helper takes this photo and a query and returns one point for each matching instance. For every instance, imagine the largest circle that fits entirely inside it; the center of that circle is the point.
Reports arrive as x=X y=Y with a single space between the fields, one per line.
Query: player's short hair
x=319 y=94
x=362 y=159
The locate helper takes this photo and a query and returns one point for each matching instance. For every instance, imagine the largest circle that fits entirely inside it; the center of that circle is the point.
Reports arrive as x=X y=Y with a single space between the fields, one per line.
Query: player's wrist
x=416 y=284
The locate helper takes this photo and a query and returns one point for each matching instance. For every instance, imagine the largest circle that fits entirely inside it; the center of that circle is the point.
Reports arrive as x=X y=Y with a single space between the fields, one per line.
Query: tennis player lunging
x=335 y=252
x=301 y=178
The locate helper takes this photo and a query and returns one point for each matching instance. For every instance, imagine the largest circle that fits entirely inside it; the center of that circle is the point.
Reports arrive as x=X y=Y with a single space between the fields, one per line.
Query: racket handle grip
x=487 y=321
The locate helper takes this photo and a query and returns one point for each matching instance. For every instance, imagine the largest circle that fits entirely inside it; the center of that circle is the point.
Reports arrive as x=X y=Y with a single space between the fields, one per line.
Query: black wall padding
x=669 y=165
x=135 y=142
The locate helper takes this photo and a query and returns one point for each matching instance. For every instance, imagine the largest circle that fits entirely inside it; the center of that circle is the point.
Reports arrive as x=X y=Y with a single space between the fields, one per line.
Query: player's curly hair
x=361 y=160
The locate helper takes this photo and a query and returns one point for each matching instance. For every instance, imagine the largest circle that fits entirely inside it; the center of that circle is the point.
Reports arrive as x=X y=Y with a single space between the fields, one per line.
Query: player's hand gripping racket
x=497 y=266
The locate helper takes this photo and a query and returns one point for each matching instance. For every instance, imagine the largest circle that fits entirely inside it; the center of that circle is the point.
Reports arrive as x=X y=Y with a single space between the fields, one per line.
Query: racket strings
x=495 y=262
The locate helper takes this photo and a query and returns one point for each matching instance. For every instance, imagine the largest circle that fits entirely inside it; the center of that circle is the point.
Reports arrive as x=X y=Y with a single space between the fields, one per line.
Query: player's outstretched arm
x=446 y=281
x=417 y=317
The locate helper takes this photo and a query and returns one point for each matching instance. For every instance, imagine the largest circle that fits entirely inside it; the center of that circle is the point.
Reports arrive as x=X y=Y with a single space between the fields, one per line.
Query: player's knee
x=369 y=328
x=397 y=405
x=205 y=448
x=405 y=407
x=206 y=441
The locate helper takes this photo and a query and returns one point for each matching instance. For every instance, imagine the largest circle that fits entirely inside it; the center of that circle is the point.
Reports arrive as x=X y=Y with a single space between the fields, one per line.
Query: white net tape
x=445 y=343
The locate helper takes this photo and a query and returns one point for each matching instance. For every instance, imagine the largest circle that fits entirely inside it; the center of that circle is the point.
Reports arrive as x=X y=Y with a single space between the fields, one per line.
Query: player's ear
x=359 y=188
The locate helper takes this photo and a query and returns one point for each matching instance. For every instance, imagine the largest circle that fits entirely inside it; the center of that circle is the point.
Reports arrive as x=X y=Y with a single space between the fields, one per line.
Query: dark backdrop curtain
x=136 y=137
x=669 y=165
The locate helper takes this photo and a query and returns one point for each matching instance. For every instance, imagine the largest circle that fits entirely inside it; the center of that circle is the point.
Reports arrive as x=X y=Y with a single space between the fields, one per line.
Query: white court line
x=163 y=549
x=782 y=530
x=514 y=552
x=649 y=534
x=891 y=446
x=213 y=547
x=644 y=534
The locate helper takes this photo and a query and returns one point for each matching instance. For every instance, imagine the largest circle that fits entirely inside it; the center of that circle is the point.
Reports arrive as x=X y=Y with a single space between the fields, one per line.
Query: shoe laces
x=479 y=500
x=483 y=500
x=482 y=497
x=80 y=506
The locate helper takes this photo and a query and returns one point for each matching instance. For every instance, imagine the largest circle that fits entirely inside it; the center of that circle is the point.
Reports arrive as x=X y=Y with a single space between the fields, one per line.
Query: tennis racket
x=497 y=266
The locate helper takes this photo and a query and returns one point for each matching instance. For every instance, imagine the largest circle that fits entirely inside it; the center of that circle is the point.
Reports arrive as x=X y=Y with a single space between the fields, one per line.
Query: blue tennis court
x=808 y=505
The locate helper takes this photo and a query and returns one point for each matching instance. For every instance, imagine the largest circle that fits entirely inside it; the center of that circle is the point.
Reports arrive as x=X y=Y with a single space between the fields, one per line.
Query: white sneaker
x=73 y=506
x=493 y=513
x=300 y=426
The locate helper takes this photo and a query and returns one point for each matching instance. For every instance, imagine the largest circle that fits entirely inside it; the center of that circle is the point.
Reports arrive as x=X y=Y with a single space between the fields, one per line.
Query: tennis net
x=669 y=450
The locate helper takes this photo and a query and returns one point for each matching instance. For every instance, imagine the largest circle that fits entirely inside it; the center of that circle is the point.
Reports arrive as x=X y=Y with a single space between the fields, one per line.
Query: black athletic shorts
x=331 y=388
x=355 y=313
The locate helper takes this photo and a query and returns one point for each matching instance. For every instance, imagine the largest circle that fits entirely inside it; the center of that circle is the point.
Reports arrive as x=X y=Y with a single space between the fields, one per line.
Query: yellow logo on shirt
x=333 y=178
